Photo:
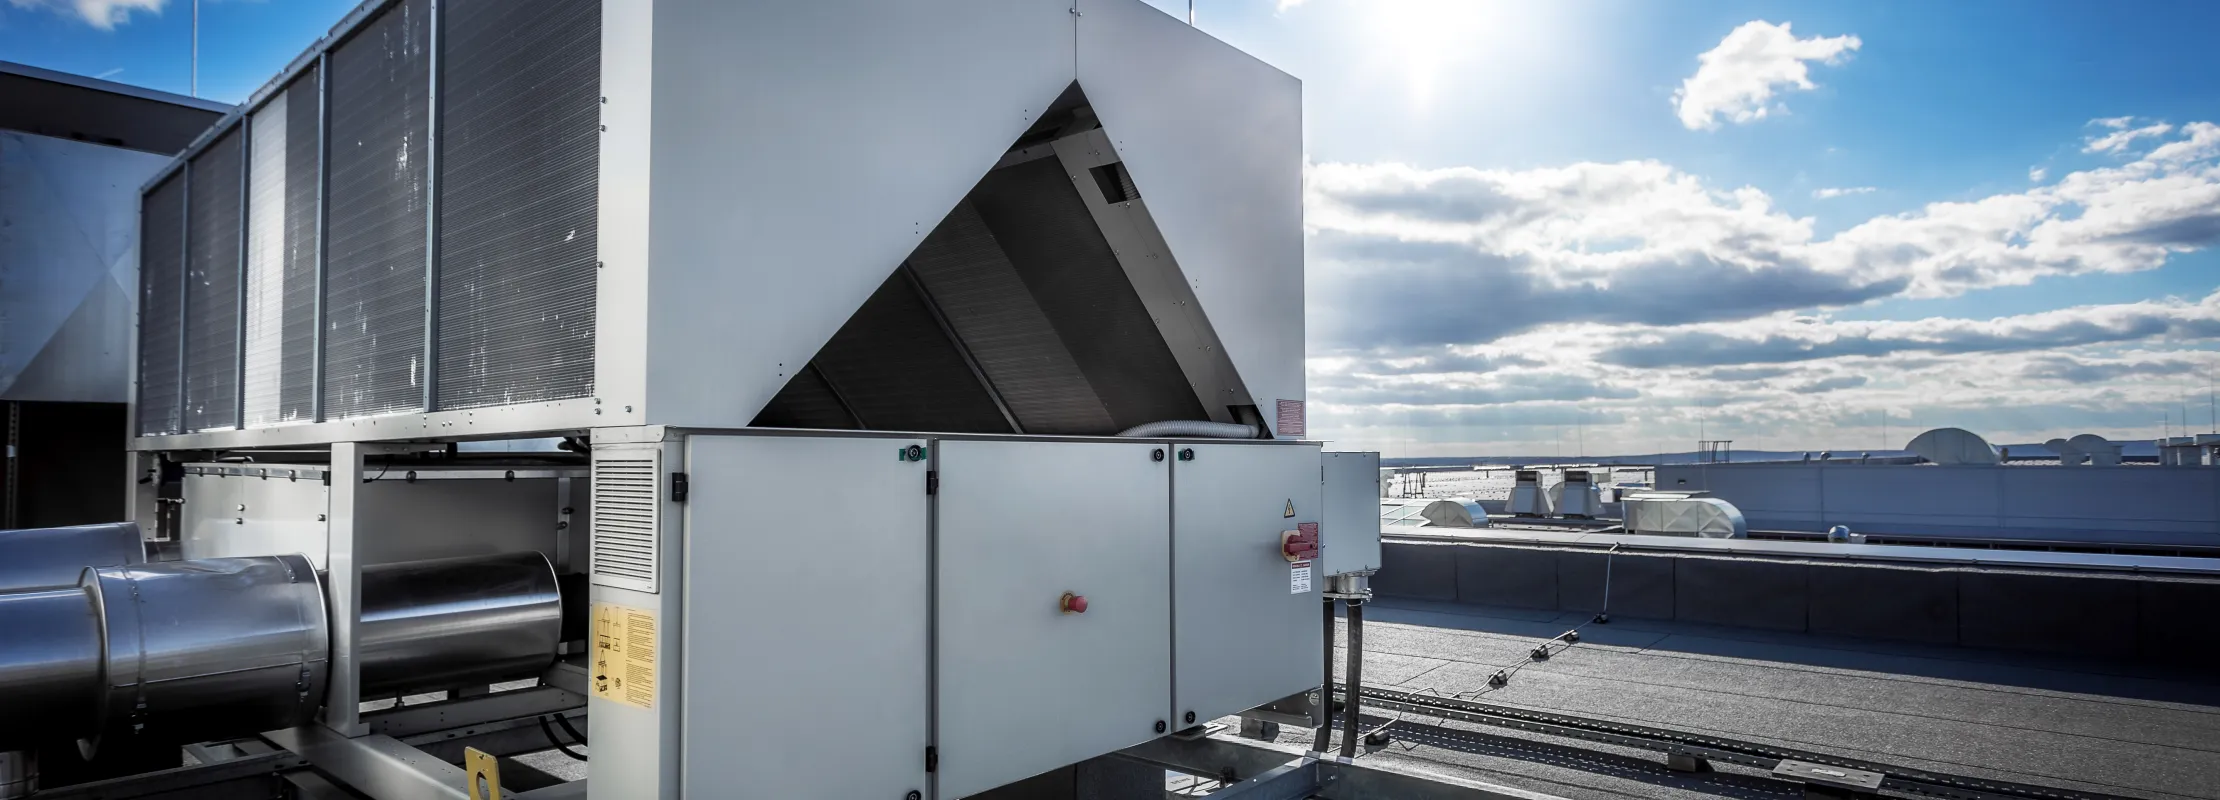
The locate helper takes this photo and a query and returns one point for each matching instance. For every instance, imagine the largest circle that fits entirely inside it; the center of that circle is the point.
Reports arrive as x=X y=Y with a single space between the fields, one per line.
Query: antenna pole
x=1190 y=13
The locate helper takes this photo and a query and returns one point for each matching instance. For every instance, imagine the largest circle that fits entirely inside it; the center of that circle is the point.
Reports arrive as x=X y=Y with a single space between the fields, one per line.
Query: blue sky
x=1525 y=216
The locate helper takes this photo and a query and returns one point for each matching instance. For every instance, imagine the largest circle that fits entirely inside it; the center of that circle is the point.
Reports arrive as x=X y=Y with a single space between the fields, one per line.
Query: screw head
x=1159 y=726
x=1187 y=454
x=914 y=795
x=1190 y=717
x=1156 y=454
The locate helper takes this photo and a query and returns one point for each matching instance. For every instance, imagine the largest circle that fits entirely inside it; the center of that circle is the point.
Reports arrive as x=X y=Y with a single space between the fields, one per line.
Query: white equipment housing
x=1577 y=495
x=1662 y=513
x=1527 y=497
x=778 y=261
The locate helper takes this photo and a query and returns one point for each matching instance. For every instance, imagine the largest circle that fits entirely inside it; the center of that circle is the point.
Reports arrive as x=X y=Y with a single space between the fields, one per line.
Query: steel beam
x=1266 y=765
x=375 y=766
x=182 y=779
x=449 y=715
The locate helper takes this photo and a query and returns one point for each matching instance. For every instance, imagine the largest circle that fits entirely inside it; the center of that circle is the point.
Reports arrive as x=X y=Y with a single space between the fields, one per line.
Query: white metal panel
x=69 y=232
x=801 y=151
x=1242 y=636
x=237 y=515
x=806 y=603
x=1022 y=687
x=1214 y=140
x=1352 y=515
x=640 y=749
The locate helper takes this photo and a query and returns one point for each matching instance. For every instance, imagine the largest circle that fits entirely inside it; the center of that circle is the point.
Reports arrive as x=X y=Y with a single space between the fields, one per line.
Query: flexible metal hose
x=1197 y=428
x=1325 y=735
x=1356 y=679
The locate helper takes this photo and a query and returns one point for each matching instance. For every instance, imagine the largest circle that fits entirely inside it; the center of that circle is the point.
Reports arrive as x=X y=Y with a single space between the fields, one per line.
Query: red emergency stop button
x=1072 y=604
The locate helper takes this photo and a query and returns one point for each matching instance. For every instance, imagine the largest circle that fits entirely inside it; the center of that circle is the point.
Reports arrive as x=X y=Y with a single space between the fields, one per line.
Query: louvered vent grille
x=161 y=287
x=626 y=520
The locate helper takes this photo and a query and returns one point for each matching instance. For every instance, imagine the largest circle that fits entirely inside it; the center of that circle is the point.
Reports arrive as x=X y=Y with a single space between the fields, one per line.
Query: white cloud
x=1287 y=4
x=1832 y=192
x=1471 y=310
x=1737 y=79
x=2121 y=136
x=1643 y=242
x=102 y=14
x=2037 y=174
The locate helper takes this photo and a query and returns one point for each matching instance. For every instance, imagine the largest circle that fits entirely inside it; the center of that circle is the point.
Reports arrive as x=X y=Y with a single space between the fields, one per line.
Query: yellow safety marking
x=484 y=774
x=623 y=667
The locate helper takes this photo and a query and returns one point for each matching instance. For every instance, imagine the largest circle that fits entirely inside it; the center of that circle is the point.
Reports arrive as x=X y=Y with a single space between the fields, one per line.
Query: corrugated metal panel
x=974 y=284
x=265 y=321
x=518 y=174
x=281 y=257
x=899 y=372
x=627 y=511
x=1035 y=212
x=161 y=265
x=212 y=285
x=374 y=310
x=304 y=116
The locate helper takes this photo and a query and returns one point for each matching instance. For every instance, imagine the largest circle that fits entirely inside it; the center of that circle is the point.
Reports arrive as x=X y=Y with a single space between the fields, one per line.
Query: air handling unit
x=1012 y=275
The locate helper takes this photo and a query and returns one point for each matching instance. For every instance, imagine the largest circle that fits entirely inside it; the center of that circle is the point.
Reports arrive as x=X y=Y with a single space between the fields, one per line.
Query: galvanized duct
x=212 y=222
x=161 y=294
x=519 y=161
x=379 y=213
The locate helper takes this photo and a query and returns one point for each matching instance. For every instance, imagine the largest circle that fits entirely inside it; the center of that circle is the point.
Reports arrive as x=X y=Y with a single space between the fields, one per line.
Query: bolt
x=1190 y=717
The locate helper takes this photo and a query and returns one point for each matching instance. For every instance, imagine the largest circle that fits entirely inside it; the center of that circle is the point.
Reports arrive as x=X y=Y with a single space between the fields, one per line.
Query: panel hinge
x=932 y=481
x=932 y=759
x=678 y=487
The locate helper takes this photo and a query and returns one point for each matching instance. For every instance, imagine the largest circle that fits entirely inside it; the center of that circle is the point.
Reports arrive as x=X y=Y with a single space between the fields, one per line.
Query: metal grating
x=265 y=308
x=519 y=156
x=375 y=273
x=964 y=269
x=212 y=217
x=161 y=264
x=626 y=512
x=304 y=158
x=1035 y=212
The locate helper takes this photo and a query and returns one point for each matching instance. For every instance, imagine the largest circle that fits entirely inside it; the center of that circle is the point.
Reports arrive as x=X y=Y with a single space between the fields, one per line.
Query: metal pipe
x=41 y=558
x=19 y=774
x=1326 y=686
x=457 y=621
x=1196 y=428
x=211 y=647
x=1349 y=721
x=50 y=666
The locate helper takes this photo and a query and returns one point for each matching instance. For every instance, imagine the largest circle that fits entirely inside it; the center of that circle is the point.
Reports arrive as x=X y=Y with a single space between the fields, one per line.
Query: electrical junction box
x=1352 y=513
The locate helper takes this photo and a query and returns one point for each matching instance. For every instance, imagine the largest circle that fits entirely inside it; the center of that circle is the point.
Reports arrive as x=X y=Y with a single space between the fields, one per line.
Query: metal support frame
x=431 y=214
x=343 y=590
x=1260 y=771
x=323 y=229
x=377 y=766
x=184 y=284
x=947 y=329
x=239 y=303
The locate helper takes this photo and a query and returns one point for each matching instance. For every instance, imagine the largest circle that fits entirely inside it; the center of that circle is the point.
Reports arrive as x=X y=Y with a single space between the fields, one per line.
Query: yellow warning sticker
x=624 y=655
x=1290 y=509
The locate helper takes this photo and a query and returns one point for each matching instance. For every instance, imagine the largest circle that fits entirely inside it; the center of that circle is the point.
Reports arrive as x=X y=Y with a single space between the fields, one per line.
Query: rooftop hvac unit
x=1655 y=513
x=1577 y=496
x=1527 y=497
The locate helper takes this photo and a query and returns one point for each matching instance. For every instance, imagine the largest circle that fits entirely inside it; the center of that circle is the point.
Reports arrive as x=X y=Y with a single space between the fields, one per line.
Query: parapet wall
x=2132 y=617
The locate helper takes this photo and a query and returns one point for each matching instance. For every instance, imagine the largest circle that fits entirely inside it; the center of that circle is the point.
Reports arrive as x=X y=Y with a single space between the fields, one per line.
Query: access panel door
x=1028 y=683
x=1247 y=619
x=805 y=618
